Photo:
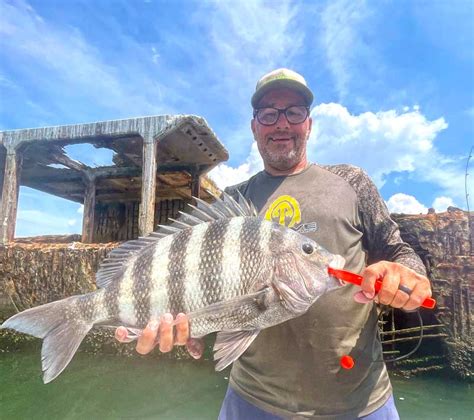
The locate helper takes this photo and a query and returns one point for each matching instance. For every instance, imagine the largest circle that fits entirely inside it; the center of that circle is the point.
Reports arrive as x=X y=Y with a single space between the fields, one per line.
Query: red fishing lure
x=353 y=278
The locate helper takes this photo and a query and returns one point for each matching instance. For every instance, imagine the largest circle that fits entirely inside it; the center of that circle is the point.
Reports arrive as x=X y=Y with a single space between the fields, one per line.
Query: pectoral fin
x=258 y=299
x=229 y=346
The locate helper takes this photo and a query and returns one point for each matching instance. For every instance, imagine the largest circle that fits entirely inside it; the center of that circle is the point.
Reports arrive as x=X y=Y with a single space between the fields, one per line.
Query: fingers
x=147 y=341
x=121 y=334
x=160 y=333
x=370 y=275
x=420 y=291
x=389 y=288
x=401 y=287
x=166 y=333
x=182 y=329
x=195 y=347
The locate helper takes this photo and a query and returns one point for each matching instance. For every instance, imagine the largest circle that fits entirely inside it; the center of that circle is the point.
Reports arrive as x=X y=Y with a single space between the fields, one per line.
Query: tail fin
x=61 y=333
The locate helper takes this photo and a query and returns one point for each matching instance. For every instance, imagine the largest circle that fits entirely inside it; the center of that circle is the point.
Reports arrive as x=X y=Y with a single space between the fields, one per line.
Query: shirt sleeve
x=381 y=236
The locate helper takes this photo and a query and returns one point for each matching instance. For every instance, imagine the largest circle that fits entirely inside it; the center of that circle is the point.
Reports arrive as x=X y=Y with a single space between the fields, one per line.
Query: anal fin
x=229 y=346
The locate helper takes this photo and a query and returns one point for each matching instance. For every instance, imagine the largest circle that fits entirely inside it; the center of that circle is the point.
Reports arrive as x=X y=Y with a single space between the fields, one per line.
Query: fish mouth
x=338 y=263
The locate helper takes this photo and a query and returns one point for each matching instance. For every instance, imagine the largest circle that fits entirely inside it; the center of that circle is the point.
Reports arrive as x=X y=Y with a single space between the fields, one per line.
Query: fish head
x=301 y=271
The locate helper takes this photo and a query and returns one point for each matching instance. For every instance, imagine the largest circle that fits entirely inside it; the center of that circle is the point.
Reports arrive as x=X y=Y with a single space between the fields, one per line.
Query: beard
x=279 y=157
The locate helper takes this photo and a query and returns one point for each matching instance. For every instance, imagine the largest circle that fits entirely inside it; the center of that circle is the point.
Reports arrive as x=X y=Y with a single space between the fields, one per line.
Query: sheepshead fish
x=229 y=270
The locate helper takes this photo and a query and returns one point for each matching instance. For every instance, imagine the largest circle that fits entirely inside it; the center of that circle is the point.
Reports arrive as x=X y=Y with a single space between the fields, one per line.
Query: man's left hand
x=393 y=275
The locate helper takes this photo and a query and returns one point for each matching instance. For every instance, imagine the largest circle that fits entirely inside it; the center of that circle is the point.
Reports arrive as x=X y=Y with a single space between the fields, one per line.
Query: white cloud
x=80 y=209
x=407 y=204
x=225 y=175
x=440 y=204
x=384 y=143
x=343 y=22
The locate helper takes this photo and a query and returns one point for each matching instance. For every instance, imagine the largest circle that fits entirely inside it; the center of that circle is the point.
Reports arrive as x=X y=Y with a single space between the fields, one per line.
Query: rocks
x=444 y=242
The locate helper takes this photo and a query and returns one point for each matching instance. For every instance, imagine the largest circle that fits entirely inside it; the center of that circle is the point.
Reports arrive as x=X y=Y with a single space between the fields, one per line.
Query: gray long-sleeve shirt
x=293 y=369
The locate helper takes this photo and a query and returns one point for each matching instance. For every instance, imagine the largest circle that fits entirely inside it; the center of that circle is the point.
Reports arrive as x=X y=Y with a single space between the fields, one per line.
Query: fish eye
x=308 y=248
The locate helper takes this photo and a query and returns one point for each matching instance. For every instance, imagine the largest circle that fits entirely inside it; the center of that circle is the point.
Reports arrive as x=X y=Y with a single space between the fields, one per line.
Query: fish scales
x=246 y=257
x=254 y=240
x=111 y=300
x=194 y=295
x=176 y=272
x=235 y=275
x=141 y=275
x=210 y=268
x=231 y=280
x=159 y=299
x=125 y=296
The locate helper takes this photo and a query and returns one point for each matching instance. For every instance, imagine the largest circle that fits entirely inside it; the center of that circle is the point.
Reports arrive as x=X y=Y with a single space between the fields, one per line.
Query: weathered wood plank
x=147 y=204
x=9 y=204
x=89 y=211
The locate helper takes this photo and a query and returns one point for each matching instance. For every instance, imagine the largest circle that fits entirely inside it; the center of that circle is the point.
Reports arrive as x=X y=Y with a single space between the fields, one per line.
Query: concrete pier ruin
x=160 y=162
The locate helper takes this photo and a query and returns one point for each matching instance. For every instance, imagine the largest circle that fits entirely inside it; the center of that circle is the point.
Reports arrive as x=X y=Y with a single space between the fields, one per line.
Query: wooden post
x=9 y=203
x=89 y=209
x=147 y=206
x=195 y=184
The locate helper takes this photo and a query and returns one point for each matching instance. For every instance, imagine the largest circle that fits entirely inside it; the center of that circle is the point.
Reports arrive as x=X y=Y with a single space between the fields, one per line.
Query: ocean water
x=117 y=387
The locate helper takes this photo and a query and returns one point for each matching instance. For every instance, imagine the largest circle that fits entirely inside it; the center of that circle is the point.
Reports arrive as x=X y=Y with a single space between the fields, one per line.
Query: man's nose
x=282 y=122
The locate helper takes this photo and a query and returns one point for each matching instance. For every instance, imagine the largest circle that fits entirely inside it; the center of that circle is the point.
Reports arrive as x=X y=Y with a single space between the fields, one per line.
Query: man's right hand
x=162 y=332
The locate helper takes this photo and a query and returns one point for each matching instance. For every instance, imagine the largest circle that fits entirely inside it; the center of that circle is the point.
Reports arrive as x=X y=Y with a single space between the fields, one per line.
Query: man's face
x=282 y=145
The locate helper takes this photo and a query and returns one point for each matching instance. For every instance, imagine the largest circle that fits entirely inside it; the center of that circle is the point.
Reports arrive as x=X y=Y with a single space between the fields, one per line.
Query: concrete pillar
x=147 y=205
x=9 y=203
x=88 y=220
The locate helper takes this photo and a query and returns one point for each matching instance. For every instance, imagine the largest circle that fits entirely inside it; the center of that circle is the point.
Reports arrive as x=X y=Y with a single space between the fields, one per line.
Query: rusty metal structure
x=160 y=162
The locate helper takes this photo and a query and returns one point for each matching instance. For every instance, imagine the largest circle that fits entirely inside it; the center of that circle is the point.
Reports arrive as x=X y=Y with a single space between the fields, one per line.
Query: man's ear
x=252 y=126
x=310 y=126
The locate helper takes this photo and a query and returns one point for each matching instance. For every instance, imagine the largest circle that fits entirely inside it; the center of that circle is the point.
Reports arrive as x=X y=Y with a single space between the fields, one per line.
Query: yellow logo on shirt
x=285 y=210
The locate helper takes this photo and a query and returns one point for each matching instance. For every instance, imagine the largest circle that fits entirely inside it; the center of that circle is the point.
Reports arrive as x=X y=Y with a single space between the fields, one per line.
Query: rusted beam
x=147 y=205
x=410 y=330
x=9 y=203
x=403 y=339
x=89 y=210
x=68 y=162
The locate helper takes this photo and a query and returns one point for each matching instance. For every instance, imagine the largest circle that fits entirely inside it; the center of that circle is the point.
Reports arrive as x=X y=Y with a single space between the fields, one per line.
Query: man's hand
x=393 y=275
x=164 y=334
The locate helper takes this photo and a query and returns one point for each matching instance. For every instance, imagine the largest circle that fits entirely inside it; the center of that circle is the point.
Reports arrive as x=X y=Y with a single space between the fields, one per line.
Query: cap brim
x=283 y=83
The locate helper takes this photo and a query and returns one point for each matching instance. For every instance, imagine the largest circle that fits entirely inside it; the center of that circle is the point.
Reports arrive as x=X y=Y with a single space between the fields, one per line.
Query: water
x=113 y=387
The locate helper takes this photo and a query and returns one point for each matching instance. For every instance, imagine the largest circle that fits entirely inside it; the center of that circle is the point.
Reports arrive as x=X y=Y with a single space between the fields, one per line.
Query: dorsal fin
x=222 y=208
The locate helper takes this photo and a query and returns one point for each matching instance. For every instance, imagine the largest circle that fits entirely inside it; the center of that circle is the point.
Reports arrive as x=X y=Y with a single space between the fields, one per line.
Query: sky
x=393 y=84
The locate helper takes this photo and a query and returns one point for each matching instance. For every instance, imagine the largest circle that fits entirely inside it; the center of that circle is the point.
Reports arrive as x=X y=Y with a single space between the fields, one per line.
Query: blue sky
x=393 y=82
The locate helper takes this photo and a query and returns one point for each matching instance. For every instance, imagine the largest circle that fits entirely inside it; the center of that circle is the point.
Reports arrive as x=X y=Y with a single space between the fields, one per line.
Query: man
x=292 y=370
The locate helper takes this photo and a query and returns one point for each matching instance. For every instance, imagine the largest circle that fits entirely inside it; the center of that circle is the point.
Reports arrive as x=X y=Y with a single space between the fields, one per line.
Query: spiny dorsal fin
x=222 y=208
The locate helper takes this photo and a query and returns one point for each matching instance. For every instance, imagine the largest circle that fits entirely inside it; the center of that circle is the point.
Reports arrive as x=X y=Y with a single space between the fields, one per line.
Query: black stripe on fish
x=177 y=271
x=141 y=275
x=250 y=243
x=211 y=261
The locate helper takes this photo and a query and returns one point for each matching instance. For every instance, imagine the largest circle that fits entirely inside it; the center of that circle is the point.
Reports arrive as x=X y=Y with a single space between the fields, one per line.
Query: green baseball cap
x=282 y=78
